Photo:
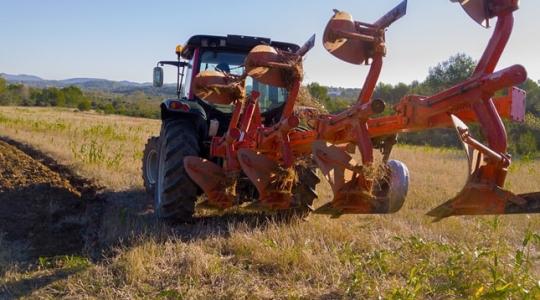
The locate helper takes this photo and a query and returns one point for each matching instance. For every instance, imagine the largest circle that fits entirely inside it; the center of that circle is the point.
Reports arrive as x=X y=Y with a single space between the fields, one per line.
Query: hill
x=91 y=84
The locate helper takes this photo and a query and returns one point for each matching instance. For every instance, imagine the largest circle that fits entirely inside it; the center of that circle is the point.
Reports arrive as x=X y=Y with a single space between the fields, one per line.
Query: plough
x=269 y=155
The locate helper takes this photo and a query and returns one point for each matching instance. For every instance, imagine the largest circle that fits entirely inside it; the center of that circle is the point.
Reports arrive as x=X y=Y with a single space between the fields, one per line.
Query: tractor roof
x=232 y=42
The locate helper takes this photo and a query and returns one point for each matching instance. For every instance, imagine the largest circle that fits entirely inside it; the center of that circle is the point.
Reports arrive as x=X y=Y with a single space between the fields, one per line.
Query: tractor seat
x=218 y=87
x=273 y=67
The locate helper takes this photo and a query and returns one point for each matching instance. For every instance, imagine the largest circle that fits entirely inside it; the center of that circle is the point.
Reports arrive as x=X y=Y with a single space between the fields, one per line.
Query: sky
x=123 y=40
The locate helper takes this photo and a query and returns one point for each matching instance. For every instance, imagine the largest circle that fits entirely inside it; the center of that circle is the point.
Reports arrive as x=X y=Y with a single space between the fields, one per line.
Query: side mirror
x=158 y=77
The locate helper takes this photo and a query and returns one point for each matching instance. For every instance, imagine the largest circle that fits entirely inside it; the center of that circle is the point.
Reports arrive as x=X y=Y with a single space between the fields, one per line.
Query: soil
x=45 y=207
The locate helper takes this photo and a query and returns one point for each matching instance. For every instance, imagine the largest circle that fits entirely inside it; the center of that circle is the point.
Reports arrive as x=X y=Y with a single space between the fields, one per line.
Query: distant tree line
x=524 y=138
x=136 y=104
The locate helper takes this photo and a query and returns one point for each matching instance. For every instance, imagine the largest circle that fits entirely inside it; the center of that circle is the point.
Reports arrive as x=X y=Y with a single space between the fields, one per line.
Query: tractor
x=191 y=124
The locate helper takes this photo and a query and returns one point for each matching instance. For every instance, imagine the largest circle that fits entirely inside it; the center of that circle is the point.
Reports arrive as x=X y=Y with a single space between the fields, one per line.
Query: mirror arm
x=173 y=63
x=179 y=77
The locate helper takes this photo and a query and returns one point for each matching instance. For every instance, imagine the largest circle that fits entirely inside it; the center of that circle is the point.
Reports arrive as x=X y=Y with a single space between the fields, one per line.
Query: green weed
x=435 y=269
x=105 y=132
x=94 y=152
x=63 y=262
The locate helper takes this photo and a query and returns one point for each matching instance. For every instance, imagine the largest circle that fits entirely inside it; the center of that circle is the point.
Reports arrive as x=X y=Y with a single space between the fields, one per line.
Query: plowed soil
x=44 y=207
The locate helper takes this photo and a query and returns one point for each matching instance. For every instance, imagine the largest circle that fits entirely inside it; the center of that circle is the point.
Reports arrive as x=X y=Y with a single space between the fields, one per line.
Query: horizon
x=89 y=40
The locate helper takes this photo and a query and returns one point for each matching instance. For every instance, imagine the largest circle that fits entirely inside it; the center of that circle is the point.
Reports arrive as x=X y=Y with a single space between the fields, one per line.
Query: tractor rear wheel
x=304 y=191
x=175 y=192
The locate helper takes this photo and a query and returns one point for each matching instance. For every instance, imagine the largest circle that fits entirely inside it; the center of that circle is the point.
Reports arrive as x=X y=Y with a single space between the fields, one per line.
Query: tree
x=16 y=93
x=391 y=94
x=533 y=96
x=450 y=72
x=53 y=97
x=2 y=85
x=318 y=91
x=3 y=96
x=108 y=108
x=73 y=95
x=84 y=105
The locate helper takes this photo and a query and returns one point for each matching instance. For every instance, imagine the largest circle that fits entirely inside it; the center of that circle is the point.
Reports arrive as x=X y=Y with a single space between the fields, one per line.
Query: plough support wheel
x=384 y=192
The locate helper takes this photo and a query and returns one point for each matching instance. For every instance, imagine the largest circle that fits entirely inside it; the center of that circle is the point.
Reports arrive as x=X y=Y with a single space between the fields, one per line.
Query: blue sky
x=122 y=40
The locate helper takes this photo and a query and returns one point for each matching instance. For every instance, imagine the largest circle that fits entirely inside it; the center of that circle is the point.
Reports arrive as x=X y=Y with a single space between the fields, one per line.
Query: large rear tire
x=175 y=192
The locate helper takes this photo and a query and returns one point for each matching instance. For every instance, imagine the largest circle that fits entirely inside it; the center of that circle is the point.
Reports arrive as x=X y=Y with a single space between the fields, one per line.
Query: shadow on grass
x=125 y=219
x=25 y=287
x=129 y=216
x=80 y=219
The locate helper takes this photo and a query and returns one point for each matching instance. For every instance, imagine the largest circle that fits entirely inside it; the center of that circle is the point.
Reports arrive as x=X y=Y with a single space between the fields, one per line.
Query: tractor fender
x=194 y=109
x=191 y=111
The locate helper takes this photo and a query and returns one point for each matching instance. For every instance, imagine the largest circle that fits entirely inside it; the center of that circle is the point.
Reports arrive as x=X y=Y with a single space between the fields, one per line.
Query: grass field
x=400 y=256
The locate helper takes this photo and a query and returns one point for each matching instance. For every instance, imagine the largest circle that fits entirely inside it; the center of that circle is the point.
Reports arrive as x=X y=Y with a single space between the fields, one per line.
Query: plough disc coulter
x=269 y=155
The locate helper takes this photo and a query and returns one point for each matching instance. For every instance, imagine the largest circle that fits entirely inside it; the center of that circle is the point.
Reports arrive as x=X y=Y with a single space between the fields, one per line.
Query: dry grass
x=105 y=147
x=248 y=256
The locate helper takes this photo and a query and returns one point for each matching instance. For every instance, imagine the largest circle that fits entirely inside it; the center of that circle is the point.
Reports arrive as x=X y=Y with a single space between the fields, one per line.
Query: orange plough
x=269 y=155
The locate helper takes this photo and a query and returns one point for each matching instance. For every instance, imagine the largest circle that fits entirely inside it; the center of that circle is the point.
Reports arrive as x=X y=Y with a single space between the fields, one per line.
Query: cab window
x=233 y=63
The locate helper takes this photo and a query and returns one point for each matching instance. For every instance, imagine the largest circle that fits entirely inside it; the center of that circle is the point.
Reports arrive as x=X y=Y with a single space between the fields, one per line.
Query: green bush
x=527 y=144
x=84 y=105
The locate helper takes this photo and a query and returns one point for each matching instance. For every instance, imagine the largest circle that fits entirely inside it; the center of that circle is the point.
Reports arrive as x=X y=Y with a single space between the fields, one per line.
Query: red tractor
x=191 y=126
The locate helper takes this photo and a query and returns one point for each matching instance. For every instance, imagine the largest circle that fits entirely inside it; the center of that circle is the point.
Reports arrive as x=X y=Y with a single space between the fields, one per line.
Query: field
x=126 y=254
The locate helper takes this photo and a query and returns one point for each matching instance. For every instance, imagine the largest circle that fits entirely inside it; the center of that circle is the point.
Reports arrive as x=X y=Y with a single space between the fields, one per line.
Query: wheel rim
x=152 y=167
x=159 y=179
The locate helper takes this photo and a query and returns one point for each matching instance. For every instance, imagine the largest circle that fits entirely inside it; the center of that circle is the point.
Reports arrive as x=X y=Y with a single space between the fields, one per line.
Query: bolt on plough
x=273 y=152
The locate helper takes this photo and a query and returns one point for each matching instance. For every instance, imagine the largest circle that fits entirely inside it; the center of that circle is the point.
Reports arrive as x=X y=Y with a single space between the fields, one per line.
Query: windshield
x=233 y=63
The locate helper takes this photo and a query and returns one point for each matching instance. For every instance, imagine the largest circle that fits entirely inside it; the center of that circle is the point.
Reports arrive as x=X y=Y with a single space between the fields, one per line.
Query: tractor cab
x=225 y=54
